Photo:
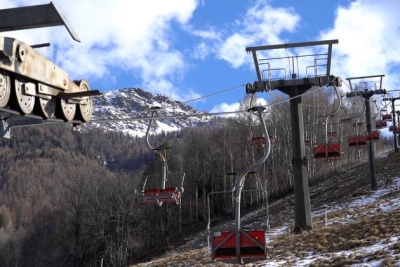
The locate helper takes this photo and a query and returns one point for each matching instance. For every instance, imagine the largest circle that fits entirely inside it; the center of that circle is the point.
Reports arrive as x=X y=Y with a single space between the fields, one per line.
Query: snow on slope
x=135 y=102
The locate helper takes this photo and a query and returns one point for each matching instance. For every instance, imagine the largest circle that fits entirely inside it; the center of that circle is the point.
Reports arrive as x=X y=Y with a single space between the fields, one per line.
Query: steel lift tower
x=362 y=89
x=285 y=77
x=392 y=99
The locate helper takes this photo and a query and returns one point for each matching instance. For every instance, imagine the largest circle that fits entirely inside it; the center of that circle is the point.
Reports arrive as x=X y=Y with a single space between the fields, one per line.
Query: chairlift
x=307 y=138
x=237 y=242
x=260 y=140
x=332 y=134
x=380 y=124
x=373 y=136
x=346 y=120
x=162 y=194
x=387 y=116
x=356 y=141
x=361 y=140
x=393 y=128
x=331 y=148
x=327 y=151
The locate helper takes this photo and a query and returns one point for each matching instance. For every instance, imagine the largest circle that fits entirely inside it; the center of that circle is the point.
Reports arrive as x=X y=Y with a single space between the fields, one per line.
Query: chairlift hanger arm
x=153 y=113
x=338 y=107
x=255 y=166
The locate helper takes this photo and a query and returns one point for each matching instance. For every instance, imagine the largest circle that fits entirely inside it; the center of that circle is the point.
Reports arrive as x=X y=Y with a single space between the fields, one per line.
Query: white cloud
x=225 y=107
x=369 y=40
x=115 y=35
x=260 y=102
x=201 y=51
x=261 y=25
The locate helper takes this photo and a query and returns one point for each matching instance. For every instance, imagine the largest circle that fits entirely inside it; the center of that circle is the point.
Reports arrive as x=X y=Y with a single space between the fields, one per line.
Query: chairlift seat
x=252 y=244
x=358 y=124
x=151 y=192
x=387 y=117
x=331 y=151
x=344 y=120
x=168 y=195
x=332 y=134
x=373 y=136
x=259 y=140
x=393 y=128
x=380 y=124
x=357 y=141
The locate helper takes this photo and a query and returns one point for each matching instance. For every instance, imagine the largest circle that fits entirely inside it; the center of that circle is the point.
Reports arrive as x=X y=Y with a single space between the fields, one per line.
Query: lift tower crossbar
x=287 y=80
x=30 y=17
x=362 y=89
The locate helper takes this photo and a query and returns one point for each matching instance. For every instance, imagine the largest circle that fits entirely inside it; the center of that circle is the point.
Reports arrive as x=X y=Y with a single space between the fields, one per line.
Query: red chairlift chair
x=380 y=124
x=332 y=134
x=238 y=242
x=355 y=141
x=260 y=140
x=327 y=151
x=346 y=120
x=330 y=149
x=252 y=244
x=387 y=117
x=393 y=128
x=161 y=194
x=373 y=136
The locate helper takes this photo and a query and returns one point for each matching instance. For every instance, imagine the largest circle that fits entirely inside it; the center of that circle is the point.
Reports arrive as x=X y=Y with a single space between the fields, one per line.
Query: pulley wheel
x=5 y=89
x=85 y=109
x=26 y=103
x=67 y=110
x=47 y=107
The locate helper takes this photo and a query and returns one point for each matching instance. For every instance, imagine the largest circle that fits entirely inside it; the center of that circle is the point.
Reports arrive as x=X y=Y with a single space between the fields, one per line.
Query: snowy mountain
x=135 y=102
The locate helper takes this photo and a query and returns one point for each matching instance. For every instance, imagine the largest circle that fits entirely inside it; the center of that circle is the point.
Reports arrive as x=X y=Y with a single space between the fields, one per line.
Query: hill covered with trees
x=70 y=198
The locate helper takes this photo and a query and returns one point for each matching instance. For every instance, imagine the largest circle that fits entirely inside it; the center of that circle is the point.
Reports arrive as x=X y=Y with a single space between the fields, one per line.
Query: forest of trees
x=70 y=198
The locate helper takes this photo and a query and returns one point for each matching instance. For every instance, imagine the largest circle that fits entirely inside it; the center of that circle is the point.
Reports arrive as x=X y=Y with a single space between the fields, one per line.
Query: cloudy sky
x=187 y=49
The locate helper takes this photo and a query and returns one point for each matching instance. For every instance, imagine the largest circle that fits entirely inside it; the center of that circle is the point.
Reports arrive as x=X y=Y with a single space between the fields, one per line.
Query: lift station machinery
x=33 y=89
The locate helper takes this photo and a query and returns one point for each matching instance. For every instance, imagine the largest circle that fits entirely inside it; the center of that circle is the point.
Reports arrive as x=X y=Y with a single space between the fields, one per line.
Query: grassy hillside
x=352 y=225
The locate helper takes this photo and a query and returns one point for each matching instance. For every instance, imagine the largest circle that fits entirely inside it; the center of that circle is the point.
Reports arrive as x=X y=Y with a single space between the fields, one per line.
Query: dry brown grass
x=365 y=231
x=324 y=241
x=350 y=229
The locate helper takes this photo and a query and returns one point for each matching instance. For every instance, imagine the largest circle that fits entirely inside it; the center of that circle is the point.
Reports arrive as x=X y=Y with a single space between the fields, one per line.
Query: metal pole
x=396 y=149
x=374 y=185
x=302 y=205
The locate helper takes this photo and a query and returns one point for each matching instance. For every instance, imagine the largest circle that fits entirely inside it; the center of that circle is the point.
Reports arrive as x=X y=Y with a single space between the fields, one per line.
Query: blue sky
x=186 y=49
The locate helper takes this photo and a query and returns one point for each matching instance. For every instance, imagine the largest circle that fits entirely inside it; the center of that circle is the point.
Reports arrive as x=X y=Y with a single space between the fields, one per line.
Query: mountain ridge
x=119 y=105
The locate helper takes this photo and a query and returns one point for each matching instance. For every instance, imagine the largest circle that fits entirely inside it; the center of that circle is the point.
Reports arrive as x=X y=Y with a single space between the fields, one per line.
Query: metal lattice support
x=392 y=99
x=290 y=82
x=5 y=130
x=362 y=89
